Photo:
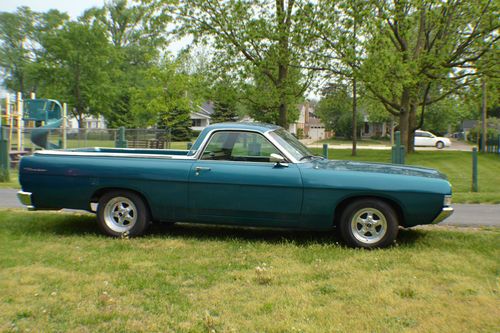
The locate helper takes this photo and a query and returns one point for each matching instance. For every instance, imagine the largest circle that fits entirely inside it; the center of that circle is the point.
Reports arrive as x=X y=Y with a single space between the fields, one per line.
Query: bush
x=476 y=133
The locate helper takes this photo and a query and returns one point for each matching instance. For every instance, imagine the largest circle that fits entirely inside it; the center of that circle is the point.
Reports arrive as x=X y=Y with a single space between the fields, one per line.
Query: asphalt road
x=465 y=215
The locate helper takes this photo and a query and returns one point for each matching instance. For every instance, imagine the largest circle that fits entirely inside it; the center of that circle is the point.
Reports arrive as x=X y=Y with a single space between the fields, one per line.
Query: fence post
x=64 y=128
x=325 y=150
x=4 y=155
x=474 y=170
x=19 y=118
x=398 y=151
x=120 y=141
x=498 y=145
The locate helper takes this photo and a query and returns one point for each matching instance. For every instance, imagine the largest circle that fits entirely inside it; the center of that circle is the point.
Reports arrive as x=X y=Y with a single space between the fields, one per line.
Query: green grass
x=57 y=274
x=361 y=142
x=456 y=165
x=14 y=182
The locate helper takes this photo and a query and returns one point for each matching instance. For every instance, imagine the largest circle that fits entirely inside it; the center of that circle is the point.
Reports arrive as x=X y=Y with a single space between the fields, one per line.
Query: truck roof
x=261 y=127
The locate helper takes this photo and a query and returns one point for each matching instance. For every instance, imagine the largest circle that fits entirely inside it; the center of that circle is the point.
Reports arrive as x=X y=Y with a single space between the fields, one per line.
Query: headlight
x=447 y=200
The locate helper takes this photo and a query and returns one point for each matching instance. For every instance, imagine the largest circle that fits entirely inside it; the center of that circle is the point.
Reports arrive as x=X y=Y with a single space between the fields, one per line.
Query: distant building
x=201 y=117
x=309 y=125
x=374 y=129
x=467 y=125
x=90 y=122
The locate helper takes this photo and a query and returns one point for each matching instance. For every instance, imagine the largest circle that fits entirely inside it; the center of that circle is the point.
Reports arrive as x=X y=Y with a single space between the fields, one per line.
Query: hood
x=378 y=168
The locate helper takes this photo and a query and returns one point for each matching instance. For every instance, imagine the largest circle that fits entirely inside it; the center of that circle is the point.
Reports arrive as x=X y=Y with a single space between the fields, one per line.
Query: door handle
x=198 y=169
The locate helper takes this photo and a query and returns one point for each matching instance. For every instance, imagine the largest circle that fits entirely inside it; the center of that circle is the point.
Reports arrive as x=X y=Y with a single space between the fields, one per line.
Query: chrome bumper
x=25 y=199
x=445 y=213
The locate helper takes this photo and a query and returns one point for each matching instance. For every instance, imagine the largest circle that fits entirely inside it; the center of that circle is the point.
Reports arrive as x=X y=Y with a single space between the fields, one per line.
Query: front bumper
x=25 y=199
x=445 y=213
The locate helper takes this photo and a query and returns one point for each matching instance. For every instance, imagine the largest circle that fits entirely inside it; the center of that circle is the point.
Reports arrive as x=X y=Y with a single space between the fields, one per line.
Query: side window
x=252 y=147
x=220 y=146
x=239 y=146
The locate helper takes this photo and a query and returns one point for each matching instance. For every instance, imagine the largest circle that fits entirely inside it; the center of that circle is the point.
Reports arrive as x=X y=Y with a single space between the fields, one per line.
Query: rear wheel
x=440 y=145
x=369 y=223
x=122 y=213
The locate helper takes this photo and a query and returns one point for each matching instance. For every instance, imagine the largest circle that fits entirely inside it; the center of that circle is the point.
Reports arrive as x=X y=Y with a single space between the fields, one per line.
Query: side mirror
x=278 y=159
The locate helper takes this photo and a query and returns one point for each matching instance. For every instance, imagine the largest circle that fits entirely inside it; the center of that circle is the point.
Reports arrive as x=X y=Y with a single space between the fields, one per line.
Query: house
x=467 y=125
x=374 y=129
x=200 y=118
x=90 y=122
x=309 y=125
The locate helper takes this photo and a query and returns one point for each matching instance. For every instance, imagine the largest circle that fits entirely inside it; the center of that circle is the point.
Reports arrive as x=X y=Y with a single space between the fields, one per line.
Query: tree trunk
x=484 y=125
x=283 y=107
x=404 y=117
x=412 y=123
x=354 y=118
x=80 y=119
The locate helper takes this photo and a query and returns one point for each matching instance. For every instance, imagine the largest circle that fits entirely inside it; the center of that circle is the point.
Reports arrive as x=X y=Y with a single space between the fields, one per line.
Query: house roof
x=206 y=108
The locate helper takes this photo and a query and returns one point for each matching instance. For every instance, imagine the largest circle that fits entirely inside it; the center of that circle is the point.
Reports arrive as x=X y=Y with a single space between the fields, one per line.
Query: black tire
x=357 y=229
x=122 y=213
x=440 y=145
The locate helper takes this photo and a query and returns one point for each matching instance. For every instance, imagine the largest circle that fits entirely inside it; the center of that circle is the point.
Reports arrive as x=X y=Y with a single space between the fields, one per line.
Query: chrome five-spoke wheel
x=121 y=212
x=368 y=223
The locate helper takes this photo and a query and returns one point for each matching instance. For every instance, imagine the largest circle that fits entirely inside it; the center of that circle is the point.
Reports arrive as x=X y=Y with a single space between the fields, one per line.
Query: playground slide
x=48 y=112
x=40 y=135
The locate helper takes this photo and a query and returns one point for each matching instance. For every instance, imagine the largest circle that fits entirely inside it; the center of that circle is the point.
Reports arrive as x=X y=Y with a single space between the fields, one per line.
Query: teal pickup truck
x=245 y=174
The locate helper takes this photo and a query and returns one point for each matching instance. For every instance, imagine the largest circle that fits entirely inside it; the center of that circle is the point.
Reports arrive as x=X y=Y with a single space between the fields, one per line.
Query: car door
x=424 y=139
x=234 y=182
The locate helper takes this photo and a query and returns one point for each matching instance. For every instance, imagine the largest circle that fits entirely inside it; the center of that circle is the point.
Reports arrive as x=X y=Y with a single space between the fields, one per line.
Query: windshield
x=291 y=144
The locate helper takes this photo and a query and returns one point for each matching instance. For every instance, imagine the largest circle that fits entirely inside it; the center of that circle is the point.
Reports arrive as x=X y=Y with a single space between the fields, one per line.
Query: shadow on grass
x=65 y=224
x=226 y=233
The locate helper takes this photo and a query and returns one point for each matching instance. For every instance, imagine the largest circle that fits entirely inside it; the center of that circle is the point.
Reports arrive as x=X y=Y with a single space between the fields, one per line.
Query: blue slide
x=40 y=135
x=49 y=112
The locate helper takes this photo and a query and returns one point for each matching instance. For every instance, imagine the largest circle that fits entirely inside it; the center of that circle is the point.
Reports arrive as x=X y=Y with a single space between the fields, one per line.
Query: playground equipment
x=47 y=114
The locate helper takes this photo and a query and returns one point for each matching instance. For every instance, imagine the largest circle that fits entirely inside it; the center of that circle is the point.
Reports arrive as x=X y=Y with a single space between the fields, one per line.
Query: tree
x=16 y=51
x=224 y=97
x=136 y=34
x=335 y=110
x=421 y=52
x=259 y=41
x=163 y=100
x=75 y=67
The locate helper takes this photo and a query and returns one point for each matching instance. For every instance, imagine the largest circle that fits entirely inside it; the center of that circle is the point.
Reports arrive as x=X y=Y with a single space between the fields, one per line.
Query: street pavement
x=465 y=215
x=455 y=146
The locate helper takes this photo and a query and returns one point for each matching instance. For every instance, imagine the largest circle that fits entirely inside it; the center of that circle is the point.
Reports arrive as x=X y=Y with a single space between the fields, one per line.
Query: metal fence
x=86 y=137
x=493 y=144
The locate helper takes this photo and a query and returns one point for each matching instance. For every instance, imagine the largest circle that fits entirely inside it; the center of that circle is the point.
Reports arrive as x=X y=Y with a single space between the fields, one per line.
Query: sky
x=73 y=7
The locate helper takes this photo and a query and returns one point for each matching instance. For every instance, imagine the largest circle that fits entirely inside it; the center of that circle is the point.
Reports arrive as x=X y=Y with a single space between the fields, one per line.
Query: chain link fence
x=87 y=137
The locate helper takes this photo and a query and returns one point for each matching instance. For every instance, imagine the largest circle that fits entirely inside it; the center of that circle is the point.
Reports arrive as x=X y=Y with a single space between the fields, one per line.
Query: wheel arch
x=341 y=206
x=96 y=196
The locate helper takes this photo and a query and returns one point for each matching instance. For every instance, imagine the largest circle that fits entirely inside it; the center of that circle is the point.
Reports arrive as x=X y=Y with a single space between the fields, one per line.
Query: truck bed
x=120 y=152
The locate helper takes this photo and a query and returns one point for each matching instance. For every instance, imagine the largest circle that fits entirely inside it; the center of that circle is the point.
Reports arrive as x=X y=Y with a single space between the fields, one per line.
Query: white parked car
x=424 y=138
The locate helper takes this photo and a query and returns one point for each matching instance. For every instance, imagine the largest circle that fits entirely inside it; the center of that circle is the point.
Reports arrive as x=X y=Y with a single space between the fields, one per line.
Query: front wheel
x=440 y=145
x=369 y=223
x=122 y=213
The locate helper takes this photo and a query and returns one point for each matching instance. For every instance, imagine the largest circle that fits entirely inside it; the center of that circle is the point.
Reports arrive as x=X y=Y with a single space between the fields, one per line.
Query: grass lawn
x=13 y=183
x=58 y=274
x=361 y=142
